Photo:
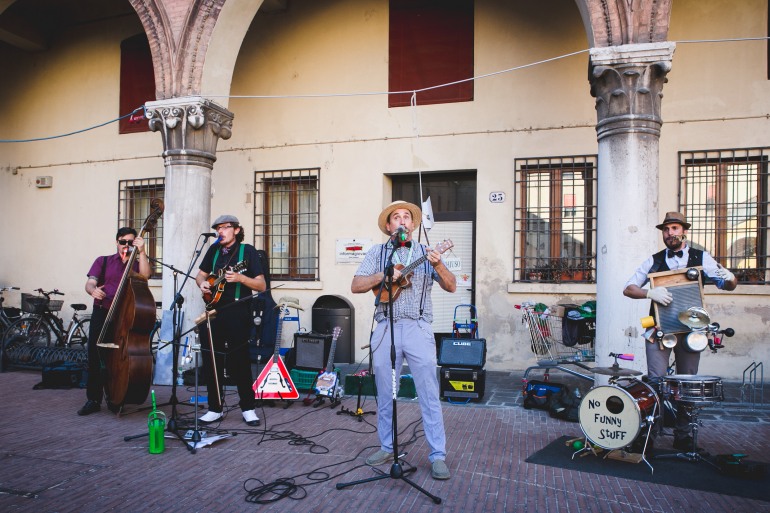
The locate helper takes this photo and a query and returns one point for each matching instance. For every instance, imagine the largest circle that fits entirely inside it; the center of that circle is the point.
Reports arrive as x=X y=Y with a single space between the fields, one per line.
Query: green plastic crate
x=406 y=386
x=303 y=380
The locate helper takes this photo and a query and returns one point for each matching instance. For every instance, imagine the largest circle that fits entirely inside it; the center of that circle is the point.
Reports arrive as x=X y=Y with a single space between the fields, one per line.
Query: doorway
x=453 y=199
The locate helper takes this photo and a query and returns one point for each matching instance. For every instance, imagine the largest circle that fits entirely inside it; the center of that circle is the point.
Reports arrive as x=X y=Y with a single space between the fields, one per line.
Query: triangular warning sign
x=274 y=382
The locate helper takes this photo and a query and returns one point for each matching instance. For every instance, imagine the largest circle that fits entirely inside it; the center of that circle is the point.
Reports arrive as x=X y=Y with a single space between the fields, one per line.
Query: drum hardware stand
x=396 y=469
x=692 y=411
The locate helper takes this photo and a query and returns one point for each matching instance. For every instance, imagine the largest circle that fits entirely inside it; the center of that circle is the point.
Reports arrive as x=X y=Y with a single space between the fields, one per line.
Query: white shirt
x=640 y=279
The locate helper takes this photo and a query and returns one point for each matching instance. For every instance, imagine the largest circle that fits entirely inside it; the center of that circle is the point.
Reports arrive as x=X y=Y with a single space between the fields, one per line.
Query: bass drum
x=613 y=416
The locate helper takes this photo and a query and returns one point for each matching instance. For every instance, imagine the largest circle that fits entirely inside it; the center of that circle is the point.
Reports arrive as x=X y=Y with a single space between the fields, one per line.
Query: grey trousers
x=413 y=341
x=686 y=363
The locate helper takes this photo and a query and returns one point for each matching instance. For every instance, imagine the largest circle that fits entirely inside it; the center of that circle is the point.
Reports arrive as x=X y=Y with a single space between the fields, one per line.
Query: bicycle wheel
x=33 y=329
x=78 y=334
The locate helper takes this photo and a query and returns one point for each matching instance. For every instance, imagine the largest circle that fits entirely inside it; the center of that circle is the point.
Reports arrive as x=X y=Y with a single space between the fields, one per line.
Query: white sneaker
x=210 y=416
x=250 y=418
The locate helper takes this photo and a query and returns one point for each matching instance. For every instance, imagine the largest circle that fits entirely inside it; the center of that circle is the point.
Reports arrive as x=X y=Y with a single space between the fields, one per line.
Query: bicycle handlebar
x=5 y=289
x=54 y=292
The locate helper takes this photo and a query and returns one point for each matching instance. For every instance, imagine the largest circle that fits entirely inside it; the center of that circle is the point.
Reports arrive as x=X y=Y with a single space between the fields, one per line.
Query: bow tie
x=672 y=254
x=407 y=244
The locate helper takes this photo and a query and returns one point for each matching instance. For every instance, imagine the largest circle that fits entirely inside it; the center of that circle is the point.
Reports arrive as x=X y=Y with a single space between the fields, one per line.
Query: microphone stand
x=396 y=470
x=176 y=308
x=359 y=413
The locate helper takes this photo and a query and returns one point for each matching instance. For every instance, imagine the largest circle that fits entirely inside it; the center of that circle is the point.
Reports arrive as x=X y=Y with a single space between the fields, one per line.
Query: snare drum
x=613 y=416
x=692 y=388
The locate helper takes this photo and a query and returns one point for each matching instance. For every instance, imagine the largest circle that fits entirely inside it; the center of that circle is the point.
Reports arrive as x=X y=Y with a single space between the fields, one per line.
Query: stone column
x=191 y=128
x=627 y=82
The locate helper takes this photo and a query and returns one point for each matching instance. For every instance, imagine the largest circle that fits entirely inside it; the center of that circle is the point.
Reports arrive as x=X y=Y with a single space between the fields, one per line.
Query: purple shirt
x=113 y=273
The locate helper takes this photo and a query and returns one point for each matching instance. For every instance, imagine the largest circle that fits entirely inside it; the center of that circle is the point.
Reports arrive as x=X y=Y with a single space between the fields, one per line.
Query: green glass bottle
x=156 y=427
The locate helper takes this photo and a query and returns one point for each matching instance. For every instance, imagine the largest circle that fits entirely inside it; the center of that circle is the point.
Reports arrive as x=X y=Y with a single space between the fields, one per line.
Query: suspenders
x=240 y=259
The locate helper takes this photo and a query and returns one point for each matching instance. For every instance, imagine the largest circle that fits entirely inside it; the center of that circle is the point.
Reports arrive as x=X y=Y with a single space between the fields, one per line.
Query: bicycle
x=39 y=322
x=8 y=315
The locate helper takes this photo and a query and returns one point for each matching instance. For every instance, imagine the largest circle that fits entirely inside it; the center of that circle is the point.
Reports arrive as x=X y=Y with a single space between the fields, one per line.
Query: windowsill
x=297 y=285
x=590 y=288
x=551 y=288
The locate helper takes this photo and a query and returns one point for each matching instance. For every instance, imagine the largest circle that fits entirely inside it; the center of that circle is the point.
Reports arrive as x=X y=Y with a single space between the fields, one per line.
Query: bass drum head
x=610 y=416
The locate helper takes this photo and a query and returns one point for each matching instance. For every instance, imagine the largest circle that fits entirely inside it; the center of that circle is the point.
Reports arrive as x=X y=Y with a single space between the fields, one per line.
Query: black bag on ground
x=565 y=405
x=63 y=374
x=537 y=394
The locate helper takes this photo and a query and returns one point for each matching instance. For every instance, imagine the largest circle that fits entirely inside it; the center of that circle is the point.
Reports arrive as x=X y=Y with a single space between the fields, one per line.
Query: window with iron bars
x=555 y=219
x=134 y=208
x=286 y=205
x=724 y=194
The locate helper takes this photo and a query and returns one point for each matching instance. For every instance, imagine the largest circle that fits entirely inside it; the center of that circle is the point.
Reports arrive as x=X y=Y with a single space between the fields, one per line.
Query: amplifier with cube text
x=462 y=352
x=312 y=350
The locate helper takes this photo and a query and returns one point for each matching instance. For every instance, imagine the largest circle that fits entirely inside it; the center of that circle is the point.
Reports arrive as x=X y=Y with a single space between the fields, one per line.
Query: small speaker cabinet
x=462 y=352
x=312 y=350
x=687 y=293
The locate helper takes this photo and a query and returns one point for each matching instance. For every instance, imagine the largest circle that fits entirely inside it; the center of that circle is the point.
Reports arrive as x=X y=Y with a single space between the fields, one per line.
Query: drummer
x=677 y=255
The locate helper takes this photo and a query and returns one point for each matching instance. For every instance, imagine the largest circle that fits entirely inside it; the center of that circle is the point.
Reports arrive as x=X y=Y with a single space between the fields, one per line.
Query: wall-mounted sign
x=352 y=251
x=496 y=197
x=453 y=263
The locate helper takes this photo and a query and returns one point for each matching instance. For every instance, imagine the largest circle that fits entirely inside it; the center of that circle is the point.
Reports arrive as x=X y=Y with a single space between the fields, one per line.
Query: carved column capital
x=627 y=82
x=191 y=127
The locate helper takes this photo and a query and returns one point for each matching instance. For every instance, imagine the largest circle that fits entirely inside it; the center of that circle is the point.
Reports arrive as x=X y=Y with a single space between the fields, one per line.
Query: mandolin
x=406 y=274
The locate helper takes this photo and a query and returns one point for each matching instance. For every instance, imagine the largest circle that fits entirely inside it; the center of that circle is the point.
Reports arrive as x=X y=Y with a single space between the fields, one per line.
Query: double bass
x=124 y=342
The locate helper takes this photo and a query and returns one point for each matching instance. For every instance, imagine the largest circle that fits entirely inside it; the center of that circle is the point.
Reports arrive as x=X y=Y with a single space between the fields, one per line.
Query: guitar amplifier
x=462 y=352
x=312 y=350
x=687 y=293
x=468 y=384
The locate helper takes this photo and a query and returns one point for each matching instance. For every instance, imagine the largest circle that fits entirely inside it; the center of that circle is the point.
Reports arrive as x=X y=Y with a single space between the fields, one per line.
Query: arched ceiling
x=195 y=43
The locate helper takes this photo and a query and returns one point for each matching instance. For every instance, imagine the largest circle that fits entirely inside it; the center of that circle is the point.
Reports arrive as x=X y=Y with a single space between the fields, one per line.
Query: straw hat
x=413 y=209
x=674 y=218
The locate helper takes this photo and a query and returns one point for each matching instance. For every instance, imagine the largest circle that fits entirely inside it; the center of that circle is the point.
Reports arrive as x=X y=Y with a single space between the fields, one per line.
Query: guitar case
x=262 y=340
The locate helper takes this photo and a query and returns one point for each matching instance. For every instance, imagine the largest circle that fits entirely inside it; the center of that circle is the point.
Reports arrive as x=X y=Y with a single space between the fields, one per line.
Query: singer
x=102 y=283
x=677 y=255
x=231 y=326
x=413 y=332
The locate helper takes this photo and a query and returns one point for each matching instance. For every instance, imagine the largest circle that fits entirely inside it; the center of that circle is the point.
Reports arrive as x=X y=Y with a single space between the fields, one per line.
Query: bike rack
x=749 y=390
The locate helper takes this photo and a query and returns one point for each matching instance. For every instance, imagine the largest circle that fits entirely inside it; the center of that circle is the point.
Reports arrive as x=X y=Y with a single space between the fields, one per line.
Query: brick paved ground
x=51 y=460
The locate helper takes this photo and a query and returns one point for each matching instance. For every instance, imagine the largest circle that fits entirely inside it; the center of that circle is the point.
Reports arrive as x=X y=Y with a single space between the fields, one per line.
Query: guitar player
x=412 y=328
x=238 y=263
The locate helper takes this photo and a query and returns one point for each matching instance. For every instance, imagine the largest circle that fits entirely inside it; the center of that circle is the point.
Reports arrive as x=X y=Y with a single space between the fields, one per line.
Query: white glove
x=724 y=274
x=660 y=295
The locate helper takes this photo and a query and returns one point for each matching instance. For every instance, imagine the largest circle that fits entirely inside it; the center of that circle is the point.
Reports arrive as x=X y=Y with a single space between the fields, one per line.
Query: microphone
x=209 y=234
x=219 y=239
x=400 y=233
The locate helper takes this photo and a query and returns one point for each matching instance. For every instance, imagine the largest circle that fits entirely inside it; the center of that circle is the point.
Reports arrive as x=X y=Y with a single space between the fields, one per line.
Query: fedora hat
x=413 y=209
x=672 y=218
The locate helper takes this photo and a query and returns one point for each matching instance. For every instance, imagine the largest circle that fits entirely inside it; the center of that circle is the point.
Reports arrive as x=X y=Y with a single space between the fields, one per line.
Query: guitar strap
x=240 y=259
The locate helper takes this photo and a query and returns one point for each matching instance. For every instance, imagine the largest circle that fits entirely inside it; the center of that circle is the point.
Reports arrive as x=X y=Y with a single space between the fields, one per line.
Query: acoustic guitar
x=217 y=283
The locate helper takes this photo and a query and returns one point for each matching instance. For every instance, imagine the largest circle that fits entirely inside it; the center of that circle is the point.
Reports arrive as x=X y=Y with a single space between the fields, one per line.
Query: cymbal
x=694 y=317
x=615 y=370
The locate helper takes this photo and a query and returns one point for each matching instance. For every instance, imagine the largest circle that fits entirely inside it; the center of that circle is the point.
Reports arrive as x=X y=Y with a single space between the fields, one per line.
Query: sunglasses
x=123 y=242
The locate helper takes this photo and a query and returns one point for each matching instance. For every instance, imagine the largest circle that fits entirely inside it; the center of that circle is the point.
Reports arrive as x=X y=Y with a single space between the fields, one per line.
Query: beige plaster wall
x=341 y=47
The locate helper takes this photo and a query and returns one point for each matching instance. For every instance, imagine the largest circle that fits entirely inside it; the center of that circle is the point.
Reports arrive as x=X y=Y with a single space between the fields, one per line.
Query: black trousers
x=95 y=385
x=231 y=354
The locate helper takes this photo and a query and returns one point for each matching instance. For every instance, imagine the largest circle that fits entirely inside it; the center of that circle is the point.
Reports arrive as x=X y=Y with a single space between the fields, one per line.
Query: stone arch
x=195 y=44
x=622 y=22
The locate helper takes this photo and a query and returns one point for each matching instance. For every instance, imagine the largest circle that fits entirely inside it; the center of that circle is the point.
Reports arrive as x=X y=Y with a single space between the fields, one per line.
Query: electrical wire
x=412 y=92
